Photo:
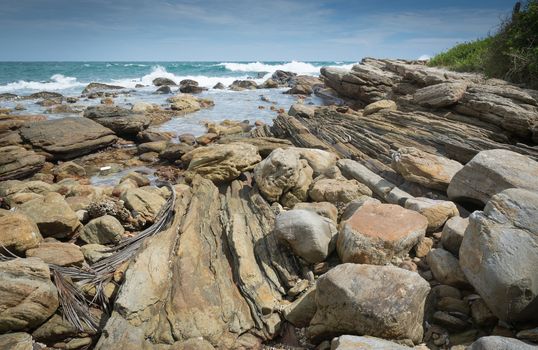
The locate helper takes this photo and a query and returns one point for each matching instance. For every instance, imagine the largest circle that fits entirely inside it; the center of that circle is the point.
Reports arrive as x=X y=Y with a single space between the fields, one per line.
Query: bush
x=511 y=54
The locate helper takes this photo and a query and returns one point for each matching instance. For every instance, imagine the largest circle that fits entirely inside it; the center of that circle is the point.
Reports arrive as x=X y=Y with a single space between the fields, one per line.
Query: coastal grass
x=511 y=53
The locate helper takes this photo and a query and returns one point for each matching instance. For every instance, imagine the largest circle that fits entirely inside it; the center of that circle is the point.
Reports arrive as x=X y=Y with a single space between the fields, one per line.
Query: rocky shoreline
x=401 y=214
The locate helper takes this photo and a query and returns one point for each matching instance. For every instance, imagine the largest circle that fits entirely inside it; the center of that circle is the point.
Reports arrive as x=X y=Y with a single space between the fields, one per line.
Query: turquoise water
x=70 y=78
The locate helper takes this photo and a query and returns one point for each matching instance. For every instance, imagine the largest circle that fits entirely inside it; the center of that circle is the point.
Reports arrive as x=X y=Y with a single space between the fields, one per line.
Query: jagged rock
x=17 y=162
x=436 y=211
x=18 y=233
x=377 y=232
x=225 y=249
x=337 y=191
x=427 y=169
x=118 y=119
x=16 y=341
x=302 y=110
x=27 y=295
x=351 y=342
x=283 y=176
x=491 y=172
x=440 y=95
x=93 y=87
x=67 y=138
x=222 y=163
x=445 y=268
x=325 y=209
x=53 y=216
x=453 y=232
x=379 y=106
x=500 y=343
x=57 y=253
x=163 y=81
x=310 y=235
x=499 y=253
x=300 y=312
x=103 y=230
x=239 y=85
x=360 y=299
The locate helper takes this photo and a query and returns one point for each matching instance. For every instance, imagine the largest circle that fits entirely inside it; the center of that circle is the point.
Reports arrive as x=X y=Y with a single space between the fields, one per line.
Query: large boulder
x=377 y=232
x=17 y=162
x=27 y=295
x=495 y=342
x=445 y=268
x=491 y=172
x=222 y=163
x=338 y=191
x=58 y=253
x=427 y=169
x=118 y=119
x=67 y=138
x=453 y=233
x=144 y=203
x=304 y=85
x=310 y=235
x=353 y=342
x=53 y=215
x=283 y=176
x=18 y=233
x=440 y=95
x=381 y=301
x=499 y=254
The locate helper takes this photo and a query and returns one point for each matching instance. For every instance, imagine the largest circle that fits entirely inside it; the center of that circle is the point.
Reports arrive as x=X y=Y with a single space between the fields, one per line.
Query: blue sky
x=240 y=30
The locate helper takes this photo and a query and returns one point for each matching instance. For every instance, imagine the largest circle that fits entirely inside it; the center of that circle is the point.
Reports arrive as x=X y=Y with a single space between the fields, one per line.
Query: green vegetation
x=511 y=53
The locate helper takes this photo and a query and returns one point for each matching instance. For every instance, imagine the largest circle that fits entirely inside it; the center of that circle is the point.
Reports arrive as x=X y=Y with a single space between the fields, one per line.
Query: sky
x=239 y=30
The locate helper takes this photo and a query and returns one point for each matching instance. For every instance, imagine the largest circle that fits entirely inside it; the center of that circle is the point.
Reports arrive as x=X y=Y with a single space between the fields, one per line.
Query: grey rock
x=163 y=81
x=446 y=268
x=501 y=343
x=453 y=233
x=103 y=230
x=352 y=342
x=440 y=95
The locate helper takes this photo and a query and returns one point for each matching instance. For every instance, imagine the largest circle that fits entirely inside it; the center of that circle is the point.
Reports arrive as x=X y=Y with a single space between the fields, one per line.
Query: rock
x=190 y=87
x=16 y=162
x=53 y=216
x=93 y=87
x=448 y=321
x=482 y=315
x=352 y=342
x=57 y=253
x=381 y=301
x=321 y=162
x=163 y=81
x=18 y=233
x=149 y=157
x=192 y=344
x=140 y=179
x=219 y=86
x=141 y=107
x=301 y=310
x=427 y=169
x=453 y=232
x=239 y=85
x=500 y=343
x=222 y=163
x=499 y=253
x=143 y=203
x=423 y=247
x=303 y=85
x=324 y=209
x=185 y=103
x=445 y=268
x=377 y=232
x=450 y=304
x=58 y=329
x=103 y=230
x=355 y=204
x=436 y=211
x=379 y=106
x=67 y=138
x=491 y=172
x=165 y=90
x=68 y=170
x=310 y=235
x=528 y=334
x=118 y=119
x=94 y=252
x=283 y=176
x=336 y=191
x=282 y=77
x=10 y=187
x=174 y=151
x=27 y=296
x=440 y=95
x=16 y=341
x=302 y=110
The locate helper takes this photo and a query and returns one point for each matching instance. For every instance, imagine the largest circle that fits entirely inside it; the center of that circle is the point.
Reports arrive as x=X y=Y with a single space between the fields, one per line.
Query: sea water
x=70 y=78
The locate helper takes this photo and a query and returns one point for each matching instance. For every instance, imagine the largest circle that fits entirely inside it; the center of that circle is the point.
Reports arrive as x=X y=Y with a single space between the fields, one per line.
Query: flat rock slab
x=17 y=162
x=67 y=138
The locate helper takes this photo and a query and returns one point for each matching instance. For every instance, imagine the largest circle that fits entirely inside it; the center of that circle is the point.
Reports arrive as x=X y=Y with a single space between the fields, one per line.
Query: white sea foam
x=56 y=82
x=293 y=66
x=161 y=72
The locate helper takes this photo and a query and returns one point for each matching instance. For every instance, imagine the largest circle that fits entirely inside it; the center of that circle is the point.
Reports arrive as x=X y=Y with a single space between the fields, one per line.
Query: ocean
x=70 y=78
